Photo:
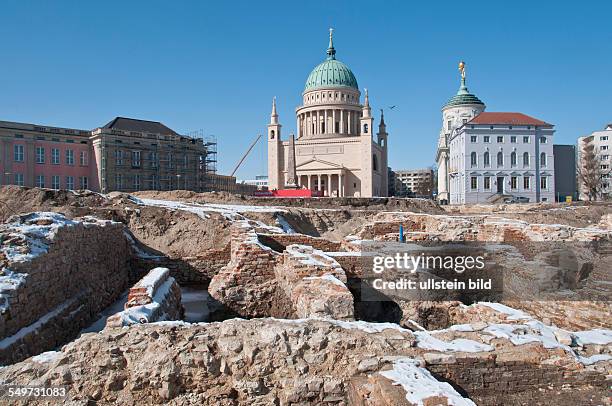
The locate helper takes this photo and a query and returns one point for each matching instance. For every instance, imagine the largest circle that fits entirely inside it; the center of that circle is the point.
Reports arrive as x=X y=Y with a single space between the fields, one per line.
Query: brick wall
x=156 y=297
x=84 y=271
x=280 y=241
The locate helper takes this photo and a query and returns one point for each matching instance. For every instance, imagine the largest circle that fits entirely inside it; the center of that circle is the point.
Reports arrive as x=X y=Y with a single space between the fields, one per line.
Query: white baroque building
x=489 y=156
x=335 y=151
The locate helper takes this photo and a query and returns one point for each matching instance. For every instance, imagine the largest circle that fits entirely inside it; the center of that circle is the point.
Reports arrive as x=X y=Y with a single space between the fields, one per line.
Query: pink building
x=57 y=158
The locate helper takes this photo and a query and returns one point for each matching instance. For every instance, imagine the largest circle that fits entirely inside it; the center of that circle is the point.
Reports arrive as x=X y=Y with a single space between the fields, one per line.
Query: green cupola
x=331 y=72
x=463 y=96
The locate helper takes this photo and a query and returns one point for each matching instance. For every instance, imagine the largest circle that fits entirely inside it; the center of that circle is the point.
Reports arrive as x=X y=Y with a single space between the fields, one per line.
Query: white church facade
x=334 y=150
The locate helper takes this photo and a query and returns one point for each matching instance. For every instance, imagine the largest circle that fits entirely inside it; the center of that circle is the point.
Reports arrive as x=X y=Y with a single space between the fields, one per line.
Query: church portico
x=335 y=151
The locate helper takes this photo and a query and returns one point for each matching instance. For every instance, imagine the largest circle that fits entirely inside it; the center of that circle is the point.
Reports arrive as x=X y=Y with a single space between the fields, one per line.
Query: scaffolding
x=209 y=164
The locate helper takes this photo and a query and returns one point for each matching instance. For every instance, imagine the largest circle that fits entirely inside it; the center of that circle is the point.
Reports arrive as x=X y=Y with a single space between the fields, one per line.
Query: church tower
x=460 y=109
x=369 y=160
x=275 y=153
x=382 y=142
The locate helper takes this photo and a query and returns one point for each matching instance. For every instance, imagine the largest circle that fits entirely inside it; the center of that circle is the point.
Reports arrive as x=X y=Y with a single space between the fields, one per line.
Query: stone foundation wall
x=480 y=377
x=281 y=241
x=156 y=297
x=84 y=270
x=246 y=286
x=195 y=270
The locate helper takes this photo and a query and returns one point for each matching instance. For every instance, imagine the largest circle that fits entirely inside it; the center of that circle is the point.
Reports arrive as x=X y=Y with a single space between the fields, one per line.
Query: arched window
x=473 y=159
x=543 y=159
x=513 y=158
x=272 y=134
x=365 y=128
x=500 y=158
x=382 y=142
x=526 y=159
x=487 y=159
x=374 y=162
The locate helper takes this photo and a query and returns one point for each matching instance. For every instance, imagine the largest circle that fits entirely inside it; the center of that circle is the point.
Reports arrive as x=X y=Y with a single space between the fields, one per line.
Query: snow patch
x=426 y=341
x=597 y=336
x=45 y=357
x=420 y=385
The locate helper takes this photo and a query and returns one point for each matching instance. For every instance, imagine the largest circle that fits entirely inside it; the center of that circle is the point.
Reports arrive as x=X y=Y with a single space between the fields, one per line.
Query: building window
x=154 y=182
x=526 y=185
x=185 y=161
x=486 y=139
x=40 y=155
x=603 y=147
x=603 y=138
x=542 y=140
x=136 y=182
x=526 y=139
x=487 y=159
x=500 y=138
x=153 y=159
x=474 y=182
x=169 y=159
x=40 y=180
x=526 y=159
x=473 y=159
x=500 y=159
x=118 y=157
x=487 y=183
x=365 y=128
x=55 y=156
x=464 y=120
x=83 y=158
x=449 y=124
x=70 y=182
x=19 y=179
x=135 y=159
x=543 y=182
x=18 y=155
x=83 y=182
x=513 y=139
x=118 y=181
x=543 y=160
x=513 y=182
x=69 y=157
x=374 y=162
x=271 y=134
x=55 y=182
x=513 y=159
x=473 y=138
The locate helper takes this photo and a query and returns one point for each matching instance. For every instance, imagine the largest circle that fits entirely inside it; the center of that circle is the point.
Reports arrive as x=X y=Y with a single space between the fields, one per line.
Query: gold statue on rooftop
x=462 y=69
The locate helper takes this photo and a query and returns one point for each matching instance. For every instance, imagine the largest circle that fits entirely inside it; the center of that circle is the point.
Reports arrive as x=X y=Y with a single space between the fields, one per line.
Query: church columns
x=341 y=185
x=333 y=121
x=309 y=181
x=328 y=185
x=341 y=121
x=319 y=183
x=298 y=127
x=349 y=113
x=326 y=125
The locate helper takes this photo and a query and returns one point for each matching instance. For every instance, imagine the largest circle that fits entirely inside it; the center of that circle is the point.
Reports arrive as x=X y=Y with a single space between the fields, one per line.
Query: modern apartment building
x=124 y=155
x=601 y=142
x=414 y=182
x=565 y=172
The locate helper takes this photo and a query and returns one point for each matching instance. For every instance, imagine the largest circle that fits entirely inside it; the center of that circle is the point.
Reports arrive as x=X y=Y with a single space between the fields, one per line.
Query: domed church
x=333 y=150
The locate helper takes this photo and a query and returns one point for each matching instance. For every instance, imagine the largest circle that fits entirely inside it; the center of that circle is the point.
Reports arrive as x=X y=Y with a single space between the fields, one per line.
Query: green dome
x=330 y=73
x=462 y=97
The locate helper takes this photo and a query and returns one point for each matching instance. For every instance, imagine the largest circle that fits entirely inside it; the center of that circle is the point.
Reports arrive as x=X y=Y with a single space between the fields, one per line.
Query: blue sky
x=216 y=65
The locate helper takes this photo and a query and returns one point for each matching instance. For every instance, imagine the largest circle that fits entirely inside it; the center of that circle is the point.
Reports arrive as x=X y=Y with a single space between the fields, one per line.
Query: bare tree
x=424 y=186
x=593 y=175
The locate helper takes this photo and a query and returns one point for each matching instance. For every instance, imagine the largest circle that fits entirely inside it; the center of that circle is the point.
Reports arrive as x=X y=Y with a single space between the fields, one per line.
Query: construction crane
x=246 y=154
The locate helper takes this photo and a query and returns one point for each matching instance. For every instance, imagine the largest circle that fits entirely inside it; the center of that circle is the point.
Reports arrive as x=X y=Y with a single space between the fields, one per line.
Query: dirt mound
x=361 y=203
x=18 y=200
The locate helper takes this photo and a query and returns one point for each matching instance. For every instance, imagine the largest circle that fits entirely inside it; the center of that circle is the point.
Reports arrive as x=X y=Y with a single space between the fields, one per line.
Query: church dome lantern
x=331 y=72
